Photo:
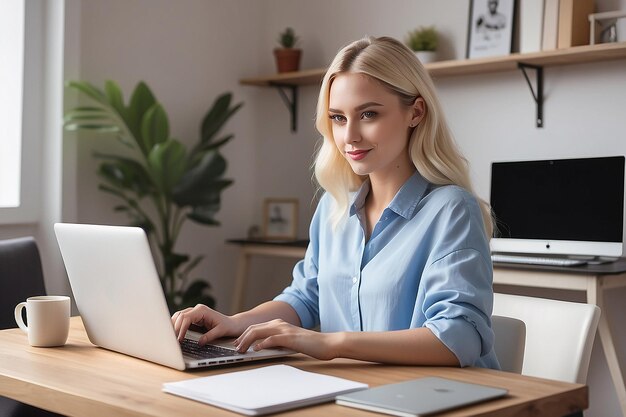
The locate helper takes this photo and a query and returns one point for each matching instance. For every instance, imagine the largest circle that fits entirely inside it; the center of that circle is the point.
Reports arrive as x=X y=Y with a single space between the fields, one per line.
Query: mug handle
x=18 y=316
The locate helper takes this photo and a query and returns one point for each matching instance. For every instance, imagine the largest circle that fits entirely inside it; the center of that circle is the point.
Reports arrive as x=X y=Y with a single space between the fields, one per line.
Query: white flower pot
x=426 y=56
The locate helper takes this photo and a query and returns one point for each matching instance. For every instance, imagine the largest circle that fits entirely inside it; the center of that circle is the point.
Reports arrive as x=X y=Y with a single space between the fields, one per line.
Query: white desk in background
x=593 y=280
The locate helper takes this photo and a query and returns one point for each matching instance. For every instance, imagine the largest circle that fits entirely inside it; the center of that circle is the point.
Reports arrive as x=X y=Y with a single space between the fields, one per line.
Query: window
x=11 y=103
x=22 y=104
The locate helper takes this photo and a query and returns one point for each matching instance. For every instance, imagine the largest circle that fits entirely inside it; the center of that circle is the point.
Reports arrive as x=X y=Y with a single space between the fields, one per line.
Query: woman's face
x=371 y=127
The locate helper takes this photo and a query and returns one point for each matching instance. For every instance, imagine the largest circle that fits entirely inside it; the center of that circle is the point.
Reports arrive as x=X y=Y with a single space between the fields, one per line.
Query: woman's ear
x=418 y=111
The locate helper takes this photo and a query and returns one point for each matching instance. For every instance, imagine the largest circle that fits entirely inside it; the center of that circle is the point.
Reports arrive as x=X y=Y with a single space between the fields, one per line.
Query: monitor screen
x=559 y=206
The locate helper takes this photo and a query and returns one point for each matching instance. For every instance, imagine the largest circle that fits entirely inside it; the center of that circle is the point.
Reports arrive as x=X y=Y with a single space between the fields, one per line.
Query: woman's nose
x=352 y=132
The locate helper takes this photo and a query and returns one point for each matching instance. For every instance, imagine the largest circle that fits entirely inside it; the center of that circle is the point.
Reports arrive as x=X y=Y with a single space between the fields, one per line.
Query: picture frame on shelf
x=280 y=218
x=490 y=31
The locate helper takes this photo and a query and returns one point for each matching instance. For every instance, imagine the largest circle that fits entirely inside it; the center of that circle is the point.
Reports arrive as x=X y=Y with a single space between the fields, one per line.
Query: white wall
x=190 y=51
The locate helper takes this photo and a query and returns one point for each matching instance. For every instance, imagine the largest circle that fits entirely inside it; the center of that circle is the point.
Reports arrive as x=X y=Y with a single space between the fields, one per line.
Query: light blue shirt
x=427 y=263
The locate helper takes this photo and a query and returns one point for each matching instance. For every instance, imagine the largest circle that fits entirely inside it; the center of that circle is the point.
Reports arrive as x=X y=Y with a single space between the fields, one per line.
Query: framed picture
x=280 y=218
x=490 y=28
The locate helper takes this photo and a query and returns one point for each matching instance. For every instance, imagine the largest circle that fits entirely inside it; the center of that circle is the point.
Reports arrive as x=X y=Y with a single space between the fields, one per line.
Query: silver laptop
x=121 y=302
x=419 y=397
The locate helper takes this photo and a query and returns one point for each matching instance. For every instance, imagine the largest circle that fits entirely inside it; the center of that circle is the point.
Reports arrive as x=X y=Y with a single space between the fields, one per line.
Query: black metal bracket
x=291 y=103
x=538 y=95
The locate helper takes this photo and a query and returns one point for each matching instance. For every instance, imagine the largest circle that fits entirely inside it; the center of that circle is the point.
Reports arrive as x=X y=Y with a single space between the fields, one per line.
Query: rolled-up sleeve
x=457 y=303
x=303 y=293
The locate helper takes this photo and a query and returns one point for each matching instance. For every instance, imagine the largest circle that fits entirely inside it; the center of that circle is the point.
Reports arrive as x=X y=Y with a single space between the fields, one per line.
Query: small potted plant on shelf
x=287 y=56
x=423 y=41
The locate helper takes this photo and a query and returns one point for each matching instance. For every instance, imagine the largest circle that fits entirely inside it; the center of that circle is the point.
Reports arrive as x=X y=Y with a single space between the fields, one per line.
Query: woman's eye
x=337 y=118
x=368 y=115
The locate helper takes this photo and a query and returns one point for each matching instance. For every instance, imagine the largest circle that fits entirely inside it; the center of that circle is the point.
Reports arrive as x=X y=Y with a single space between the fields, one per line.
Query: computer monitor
x=559 y=206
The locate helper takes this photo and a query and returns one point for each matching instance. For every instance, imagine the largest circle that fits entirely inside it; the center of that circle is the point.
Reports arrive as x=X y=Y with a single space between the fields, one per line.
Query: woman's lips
x=358 y=154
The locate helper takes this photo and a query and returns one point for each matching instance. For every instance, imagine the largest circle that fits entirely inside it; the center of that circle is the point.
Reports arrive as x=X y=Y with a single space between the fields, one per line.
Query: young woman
x=398 y=269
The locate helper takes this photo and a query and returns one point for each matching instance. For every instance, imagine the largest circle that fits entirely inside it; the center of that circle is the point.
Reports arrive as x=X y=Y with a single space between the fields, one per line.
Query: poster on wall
x=490 y=28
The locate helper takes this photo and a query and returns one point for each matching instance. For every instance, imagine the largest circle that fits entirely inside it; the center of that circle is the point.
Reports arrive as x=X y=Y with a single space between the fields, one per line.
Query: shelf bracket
x=290 y=102
x=538 y=95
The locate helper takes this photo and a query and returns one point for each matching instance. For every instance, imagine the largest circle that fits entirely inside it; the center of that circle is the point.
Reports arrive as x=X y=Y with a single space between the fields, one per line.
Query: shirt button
x=354 y=280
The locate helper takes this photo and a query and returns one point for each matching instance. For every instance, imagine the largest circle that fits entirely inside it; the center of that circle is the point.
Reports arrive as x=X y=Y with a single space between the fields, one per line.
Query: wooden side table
x=250 y=247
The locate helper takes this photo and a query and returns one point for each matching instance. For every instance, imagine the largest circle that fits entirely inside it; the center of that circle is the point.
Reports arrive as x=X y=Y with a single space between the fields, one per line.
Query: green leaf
x=206 y=194
x=167 y=164
x=132 y=173
x=114 y=96
x=81 y=112
x=155 y=127
x=141 y=100
x=217 y=116
x=89 y=109
x=204 y=214
x=174 y=260
x=214 y=145
x=112 y=190
x=102 y=128
x=201 y=149
x=81 y=117
x=200 y=180
x=89 y=90
x=114 y=175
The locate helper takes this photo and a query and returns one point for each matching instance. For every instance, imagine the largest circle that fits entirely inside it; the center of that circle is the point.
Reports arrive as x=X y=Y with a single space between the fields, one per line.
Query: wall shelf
x=442 y=69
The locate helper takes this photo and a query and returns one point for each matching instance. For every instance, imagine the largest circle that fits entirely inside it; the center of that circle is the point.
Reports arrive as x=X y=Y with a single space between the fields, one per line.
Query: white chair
x=559 y=335
x=510 y=341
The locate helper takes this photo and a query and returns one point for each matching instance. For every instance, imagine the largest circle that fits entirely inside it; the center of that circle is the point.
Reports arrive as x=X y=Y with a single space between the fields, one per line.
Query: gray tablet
x=419 y=397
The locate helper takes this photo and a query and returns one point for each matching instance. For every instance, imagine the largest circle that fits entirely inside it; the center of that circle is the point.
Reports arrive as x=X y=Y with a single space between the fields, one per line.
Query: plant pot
x=426 y=56
x=287 y=59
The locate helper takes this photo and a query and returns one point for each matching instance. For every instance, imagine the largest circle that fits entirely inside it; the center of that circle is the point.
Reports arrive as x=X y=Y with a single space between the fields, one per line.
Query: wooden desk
x=593 y=280
x=250 y=247
x=80 y=379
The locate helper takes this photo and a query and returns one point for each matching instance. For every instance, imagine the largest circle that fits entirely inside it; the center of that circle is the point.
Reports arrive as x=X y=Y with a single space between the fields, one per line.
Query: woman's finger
x=260 y=331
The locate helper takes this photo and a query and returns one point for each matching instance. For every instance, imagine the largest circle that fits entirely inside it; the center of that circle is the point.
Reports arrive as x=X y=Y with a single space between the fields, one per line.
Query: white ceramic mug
x=48 y=319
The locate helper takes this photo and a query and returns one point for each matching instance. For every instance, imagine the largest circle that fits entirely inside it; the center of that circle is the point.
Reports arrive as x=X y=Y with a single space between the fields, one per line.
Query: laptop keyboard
x=192 y=349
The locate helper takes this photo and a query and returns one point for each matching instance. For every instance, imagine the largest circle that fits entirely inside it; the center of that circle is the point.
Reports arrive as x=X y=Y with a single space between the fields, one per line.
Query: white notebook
x=420 y=397
x=263 y=390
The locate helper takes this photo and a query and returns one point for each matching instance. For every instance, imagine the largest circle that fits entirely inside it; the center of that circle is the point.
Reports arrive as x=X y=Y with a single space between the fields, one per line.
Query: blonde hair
x=431 y=145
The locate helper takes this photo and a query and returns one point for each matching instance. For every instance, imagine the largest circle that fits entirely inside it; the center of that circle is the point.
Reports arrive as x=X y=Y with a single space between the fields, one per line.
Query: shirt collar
x=405 y=201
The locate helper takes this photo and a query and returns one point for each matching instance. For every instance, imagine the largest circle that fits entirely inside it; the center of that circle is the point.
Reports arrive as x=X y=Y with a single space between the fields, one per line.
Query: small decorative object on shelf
x=490 y=28
x=280 y=218
x=423 y=41
x=287 y=56
x=608 y=26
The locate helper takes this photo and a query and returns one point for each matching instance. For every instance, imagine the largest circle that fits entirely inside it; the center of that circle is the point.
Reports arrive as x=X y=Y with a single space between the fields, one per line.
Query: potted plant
x=423 y=41
x=287 y=56
x=161 y=183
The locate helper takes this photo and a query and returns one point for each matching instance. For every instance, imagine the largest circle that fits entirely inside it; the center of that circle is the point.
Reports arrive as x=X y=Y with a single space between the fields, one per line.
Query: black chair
x=21 y=276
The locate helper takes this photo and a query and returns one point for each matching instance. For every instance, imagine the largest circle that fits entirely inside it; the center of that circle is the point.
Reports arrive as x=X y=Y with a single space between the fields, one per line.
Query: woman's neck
x=383 y=188
x=382 y=191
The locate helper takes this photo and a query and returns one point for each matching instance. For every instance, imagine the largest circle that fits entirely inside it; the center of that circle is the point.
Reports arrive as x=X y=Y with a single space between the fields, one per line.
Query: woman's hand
x=279 y=333
x=218 y=324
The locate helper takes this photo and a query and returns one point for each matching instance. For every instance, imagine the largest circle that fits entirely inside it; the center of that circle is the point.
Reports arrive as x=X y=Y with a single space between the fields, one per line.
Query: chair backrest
x=21 y=276
x=510 y=342
x=559 y=335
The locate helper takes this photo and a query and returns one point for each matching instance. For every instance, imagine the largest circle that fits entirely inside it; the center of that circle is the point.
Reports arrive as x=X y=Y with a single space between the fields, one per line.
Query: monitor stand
x=597 y=260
